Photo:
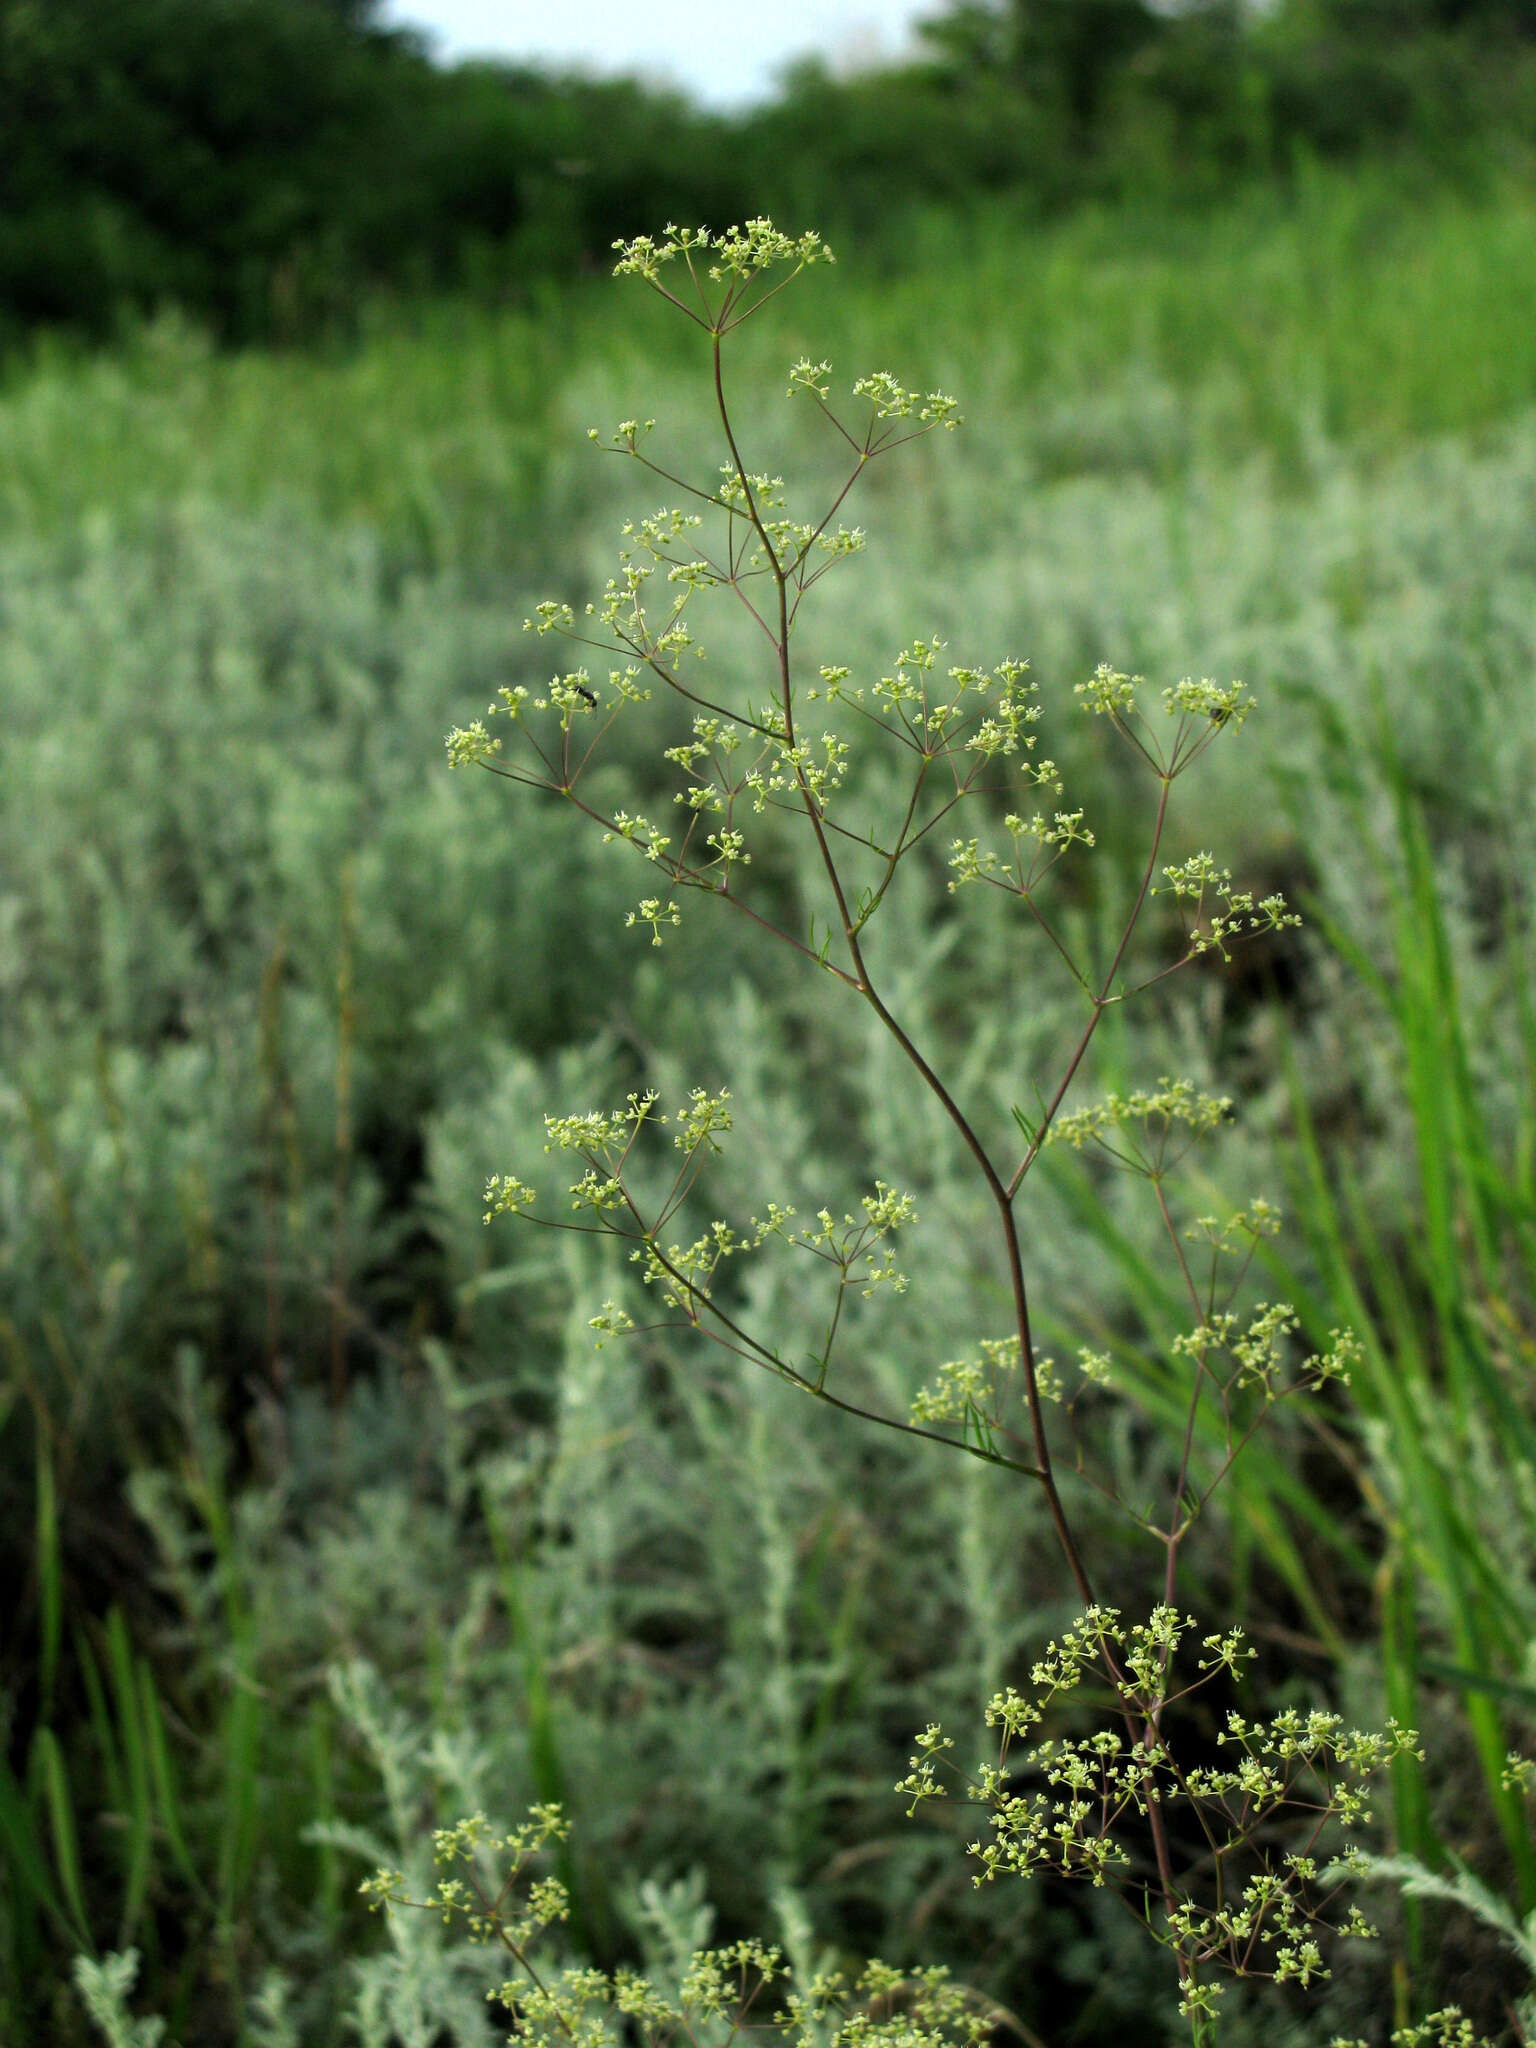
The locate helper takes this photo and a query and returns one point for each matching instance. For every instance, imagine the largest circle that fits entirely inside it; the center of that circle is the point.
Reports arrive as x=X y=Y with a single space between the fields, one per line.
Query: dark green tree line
x=268 y=164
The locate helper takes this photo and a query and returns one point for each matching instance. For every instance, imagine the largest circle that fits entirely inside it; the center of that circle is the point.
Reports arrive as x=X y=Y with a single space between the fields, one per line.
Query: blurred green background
x=322 y=1519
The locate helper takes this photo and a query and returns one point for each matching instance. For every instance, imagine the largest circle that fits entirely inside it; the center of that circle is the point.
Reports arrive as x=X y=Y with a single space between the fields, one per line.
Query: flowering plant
x=1223 y=1860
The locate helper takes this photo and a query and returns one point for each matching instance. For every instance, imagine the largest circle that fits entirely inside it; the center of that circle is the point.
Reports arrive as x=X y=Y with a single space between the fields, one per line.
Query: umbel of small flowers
x=742 y=1991
x=872 y=770
x=1078 y=1804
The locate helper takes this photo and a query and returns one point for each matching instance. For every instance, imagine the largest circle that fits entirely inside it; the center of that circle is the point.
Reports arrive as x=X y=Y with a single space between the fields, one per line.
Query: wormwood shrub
x=1094 y=1775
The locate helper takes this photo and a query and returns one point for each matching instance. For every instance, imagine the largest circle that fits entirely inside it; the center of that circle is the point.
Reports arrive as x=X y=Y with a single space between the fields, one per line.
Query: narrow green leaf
x=137 y=1809
x=49 y=1574
x=61 y=1820
x=24 y=1855
x=163 y=1773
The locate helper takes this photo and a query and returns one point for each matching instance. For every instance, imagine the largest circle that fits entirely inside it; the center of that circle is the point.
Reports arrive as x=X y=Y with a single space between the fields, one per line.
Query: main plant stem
x=1002 y=1194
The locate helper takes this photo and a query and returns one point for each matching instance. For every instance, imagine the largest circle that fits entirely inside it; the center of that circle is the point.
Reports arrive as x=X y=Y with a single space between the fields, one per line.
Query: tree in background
x=1064 y=55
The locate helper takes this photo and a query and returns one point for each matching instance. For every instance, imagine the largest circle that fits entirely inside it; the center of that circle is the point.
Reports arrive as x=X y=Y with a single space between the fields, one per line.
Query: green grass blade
x=163 y=1773
x=27 y=1863
x=136 y=1812
x=100 y=1717
x=49 y=1576
x=61 y=1820
x=1413 y=1825
x=241 y=1745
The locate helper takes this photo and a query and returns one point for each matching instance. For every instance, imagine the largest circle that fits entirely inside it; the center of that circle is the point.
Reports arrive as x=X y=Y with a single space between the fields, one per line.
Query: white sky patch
x=723 y=57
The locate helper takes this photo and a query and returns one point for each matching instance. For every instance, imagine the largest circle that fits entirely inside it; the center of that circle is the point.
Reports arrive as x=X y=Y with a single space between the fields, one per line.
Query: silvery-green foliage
x=425 y=1983
x=1466 y=1890
x=239 y=698
x=104 y=1989
x=496 y=1887
x=673 y=1920
x=272 y=2023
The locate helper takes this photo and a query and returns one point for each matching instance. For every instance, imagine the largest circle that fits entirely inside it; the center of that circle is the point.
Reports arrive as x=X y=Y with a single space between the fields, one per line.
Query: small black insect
x=585 y=692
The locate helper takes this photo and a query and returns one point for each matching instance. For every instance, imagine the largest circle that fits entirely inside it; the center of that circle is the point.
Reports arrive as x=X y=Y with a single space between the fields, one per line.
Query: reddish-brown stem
x=1002 y=1195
